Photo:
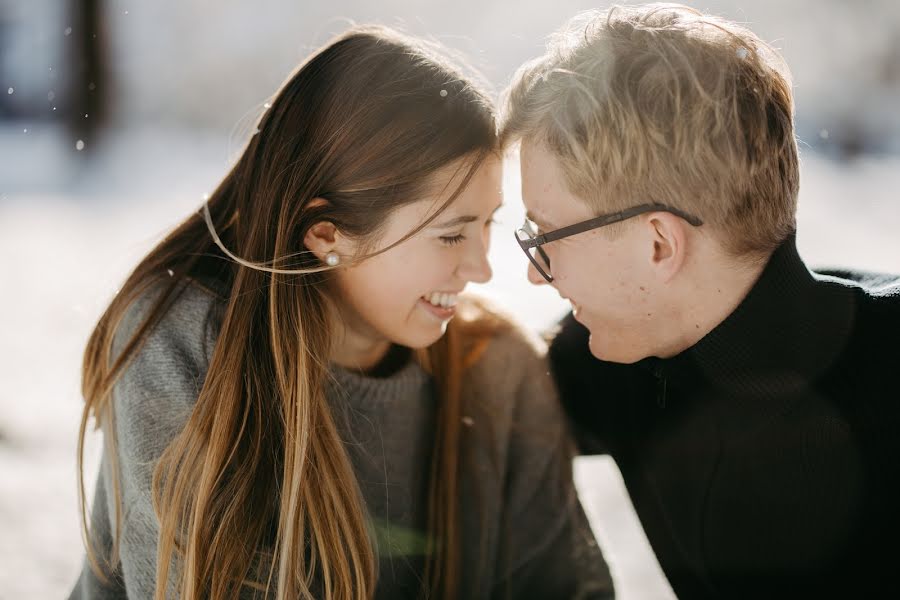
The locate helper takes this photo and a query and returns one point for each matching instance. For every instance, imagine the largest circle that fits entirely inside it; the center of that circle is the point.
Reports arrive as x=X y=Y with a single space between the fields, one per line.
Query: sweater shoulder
x=508 y=351
x=187 y=322
x=516 y=347
x=158 y=387
x=871 y=282
x=875 y=293
x=869 y=349
x=511 y=379
x=513 y=400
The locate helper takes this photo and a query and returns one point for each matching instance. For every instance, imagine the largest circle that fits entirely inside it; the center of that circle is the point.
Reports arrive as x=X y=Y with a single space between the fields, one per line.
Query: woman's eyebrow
x=455 y=222
x=463 y=220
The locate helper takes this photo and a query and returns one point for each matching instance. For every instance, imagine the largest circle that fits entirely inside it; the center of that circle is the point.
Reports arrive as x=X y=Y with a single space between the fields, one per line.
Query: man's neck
x=713 y=290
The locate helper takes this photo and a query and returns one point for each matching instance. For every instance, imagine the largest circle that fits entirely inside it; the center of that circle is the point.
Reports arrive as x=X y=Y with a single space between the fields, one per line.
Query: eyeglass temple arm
x=607 y=220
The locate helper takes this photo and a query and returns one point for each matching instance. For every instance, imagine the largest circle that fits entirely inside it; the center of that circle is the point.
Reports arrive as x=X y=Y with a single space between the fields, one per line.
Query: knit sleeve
x=152 y=401
x=89 y=586
x=546 y=546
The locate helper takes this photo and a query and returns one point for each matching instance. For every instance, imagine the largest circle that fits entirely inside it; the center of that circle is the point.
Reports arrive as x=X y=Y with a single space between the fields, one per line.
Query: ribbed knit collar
x=789 y=329
x=407 y=381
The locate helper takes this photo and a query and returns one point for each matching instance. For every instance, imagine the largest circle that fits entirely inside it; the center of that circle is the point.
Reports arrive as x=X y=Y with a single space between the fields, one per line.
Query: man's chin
x=610 y=353
x=602 y=345
x=595 y=348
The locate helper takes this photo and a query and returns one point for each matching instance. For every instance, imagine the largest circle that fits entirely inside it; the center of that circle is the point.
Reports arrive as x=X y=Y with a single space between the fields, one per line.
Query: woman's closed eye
x=452 y=240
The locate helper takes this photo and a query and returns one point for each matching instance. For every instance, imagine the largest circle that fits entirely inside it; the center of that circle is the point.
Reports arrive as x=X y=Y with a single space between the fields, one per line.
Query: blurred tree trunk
x=89 y=82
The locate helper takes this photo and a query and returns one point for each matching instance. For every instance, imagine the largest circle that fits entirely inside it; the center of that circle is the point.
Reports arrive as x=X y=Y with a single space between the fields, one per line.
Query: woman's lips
x=440 y=312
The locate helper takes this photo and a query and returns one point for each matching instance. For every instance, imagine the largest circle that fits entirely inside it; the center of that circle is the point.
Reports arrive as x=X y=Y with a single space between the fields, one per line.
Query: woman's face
x=406 y=295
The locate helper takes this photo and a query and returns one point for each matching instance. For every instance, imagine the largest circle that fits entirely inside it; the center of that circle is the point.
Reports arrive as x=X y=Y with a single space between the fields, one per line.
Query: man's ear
x=668 y=235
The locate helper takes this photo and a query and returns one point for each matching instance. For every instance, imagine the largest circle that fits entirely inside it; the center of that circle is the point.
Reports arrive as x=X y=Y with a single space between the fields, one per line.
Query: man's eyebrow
x=462 y=220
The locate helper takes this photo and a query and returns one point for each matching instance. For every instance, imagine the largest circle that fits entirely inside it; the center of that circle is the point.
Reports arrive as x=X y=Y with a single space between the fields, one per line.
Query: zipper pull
x=661 y=386
x=661 y=391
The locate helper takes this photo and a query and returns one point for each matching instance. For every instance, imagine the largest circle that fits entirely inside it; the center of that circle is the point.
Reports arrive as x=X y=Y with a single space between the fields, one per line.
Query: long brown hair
x=365 y=123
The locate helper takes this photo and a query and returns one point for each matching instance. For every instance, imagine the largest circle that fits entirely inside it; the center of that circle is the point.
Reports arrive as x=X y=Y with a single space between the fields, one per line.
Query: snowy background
x=183 y=81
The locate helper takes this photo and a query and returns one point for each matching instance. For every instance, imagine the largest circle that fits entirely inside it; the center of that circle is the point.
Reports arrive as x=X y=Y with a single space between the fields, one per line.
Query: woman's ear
x=321 y=238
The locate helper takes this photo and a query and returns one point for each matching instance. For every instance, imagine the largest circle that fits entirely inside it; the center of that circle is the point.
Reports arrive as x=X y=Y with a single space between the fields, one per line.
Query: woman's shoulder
x=510 y=381
x=166 y=368
x=497 y=338
x=185 y=321
x=509 y=366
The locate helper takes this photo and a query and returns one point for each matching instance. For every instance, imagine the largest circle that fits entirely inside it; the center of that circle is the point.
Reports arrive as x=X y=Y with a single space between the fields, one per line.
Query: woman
x=290 y=408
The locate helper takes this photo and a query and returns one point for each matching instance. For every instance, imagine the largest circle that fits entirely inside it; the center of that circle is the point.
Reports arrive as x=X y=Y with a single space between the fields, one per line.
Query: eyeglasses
x=531 y=241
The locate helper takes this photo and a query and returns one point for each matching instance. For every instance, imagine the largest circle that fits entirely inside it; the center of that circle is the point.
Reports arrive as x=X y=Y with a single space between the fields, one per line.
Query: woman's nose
x=475 y=266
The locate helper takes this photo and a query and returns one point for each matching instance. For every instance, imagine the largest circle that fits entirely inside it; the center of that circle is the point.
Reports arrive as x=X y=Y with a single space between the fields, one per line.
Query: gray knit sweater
x=529 y=539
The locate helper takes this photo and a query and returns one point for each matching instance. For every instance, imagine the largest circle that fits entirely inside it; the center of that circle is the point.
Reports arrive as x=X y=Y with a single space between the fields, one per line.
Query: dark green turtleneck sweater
x=764 y=461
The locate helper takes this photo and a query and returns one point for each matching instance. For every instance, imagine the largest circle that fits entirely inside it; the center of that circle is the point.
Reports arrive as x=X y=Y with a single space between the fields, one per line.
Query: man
x=749 y=403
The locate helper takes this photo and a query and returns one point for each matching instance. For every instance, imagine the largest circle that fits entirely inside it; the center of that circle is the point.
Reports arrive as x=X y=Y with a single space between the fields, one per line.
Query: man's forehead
x=546 y=197
x=537 y=185
x=536 y=202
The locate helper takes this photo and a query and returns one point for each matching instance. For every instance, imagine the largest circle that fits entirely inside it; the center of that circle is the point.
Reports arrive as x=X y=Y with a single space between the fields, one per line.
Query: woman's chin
x=422 y=335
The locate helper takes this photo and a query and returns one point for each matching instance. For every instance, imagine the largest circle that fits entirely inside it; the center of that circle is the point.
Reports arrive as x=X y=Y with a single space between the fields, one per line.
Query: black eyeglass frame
x=536 y=241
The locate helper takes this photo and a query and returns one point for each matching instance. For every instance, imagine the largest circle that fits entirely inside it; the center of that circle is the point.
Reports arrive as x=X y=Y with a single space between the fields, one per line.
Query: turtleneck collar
x=789 y=329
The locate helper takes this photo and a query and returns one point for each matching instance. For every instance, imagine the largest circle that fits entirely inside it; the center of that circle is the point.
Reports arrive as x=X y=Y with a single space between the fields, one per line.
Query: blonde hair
x=661 y=103
x=356 y=125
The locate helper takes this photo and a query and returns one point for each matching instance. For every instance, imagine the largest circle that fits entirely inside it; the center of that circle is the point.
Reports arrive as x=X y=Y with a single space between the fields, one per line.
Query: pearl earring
x=332 y=259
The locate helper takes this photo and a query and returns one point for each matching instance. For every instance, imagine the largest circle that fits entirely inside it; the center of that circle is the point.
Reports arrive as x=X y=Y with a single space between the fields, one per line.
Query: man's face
x=607 y=280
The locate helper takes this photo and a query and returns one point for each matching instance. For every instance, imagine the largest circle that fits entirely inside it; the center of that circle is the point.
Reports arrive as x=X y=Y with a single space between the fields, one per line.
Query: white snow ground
x=70 y=230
